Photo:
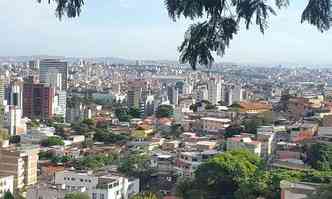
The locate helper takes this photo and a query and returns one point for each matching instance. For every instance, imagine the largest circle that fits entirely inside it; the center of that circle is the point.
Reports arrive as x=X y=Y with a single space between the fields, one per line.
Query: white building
x=60 y=103
x=212 y=124
x=6 y=184
x=187 y=162
x=214 y=91
x=98 y=187
x=36 y=135
x=237 y=94
x=14 y=121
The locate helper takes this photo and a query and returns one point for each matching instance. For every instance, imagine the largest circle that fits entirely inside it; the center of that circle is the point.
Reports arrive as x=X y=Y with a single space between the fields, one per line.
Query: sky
x=141 y=29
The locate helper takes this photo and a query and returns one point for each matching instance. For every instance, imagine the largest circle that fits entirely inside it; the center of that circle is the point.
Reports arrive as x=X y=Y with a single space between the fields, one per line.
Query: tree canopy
x=145 y=195
x=53 y=141
x=219 y=21
x=165 y=111
x=77 y=195
x=319 y=156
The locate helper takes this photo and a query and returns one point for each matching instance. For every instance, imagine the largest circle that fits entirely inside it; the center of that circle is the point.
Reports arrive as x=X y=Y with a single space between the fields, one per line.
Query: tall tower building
x=2 y=90
x=48 y=66
x=37 y=101
x=214 y=89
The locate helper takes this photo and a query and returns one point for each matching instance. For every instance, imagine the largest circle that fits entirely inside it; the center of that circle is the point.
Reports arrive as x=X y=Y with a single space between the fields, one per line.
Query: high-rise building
x=214 y=89
x=237 y=94
x=46 y=66
x=60 y=103
x=21 y=162
x=2 y=91
x=173 y=94
x=14 y=122
x=37 y=101
x=15 y=94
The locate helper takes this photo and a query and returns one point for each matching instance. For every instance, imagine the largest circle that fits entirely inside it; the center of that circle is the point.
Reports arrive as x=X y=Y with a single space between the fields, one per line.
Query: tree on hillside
x=53 y=141
x=165 y=111
x=135 y=112
x=323 y=192
x=319 y=156
x=223 y=174
x=8 y=195
x=122 y=114
x=77 y=195
x=219 y=21
x=145 y=195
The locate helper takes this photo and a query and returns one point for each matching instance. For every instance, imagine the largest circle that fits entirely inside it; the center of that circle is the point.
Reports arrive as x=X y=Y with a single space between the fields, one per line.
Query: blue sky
x=141 y=29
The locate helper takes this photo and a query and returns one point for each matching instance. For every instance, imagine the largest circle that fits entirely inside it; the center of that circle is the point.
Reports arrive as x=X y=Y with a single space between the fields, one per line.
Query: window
x=81 y=180
x=102 y=196
x=94 y=195
x=72 y=179
x=65 y=178
x=89 y=180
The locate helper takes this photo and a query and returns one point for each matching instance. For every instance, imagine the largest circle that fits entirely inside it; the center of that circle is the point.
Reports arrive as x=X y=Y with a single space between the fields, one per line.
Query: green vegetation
x=174 y=132
x=94 y=161
x=53 y=141
x=77 y=195
x=34 y=124
x=319 y=156
x=8 y=195
x=43 y=155
x=233 y=130
x=122 y=115
x=134 y=112
x=106 y=136
x=261 y=119
x=165 y=111
x=137 y=164
x=145 y=195
x=4 y=135
x=323 y=192
x=241 y=174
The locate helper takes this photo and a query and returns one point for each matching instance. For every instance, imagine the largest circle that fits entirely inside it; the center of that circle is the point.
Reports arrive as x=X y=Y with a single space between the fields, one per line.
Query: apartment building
x=214 y=125
x=98 y=187
x=21 y=162
x=187 y=162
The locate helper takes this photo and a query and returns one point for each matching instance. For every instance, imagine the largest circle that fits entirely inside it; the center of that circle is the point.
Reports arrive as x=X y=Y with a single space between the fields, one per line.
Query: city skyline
x=148 y=33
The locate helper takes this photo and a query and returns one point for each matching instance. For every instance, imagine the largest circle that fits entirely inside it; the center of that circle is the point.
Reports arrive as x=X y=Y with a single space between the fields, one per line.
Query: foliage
x=223 y=174
x=165 y=111
x=135 y=112
x=44 y=155
x=77 y=195
x=232 y=130
x=4 y=135
x=53 y=141
x=137 y=165
x=34 y=124
x=219 y=21
x=185 y=188
x=94 y=161
x=210 y=107
x=103 y=135
x=251 y=124
x=89 y=122
x=145 y=195
x=319 y=156
x=323 y=192
x=122 y=114
x=8 y=195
